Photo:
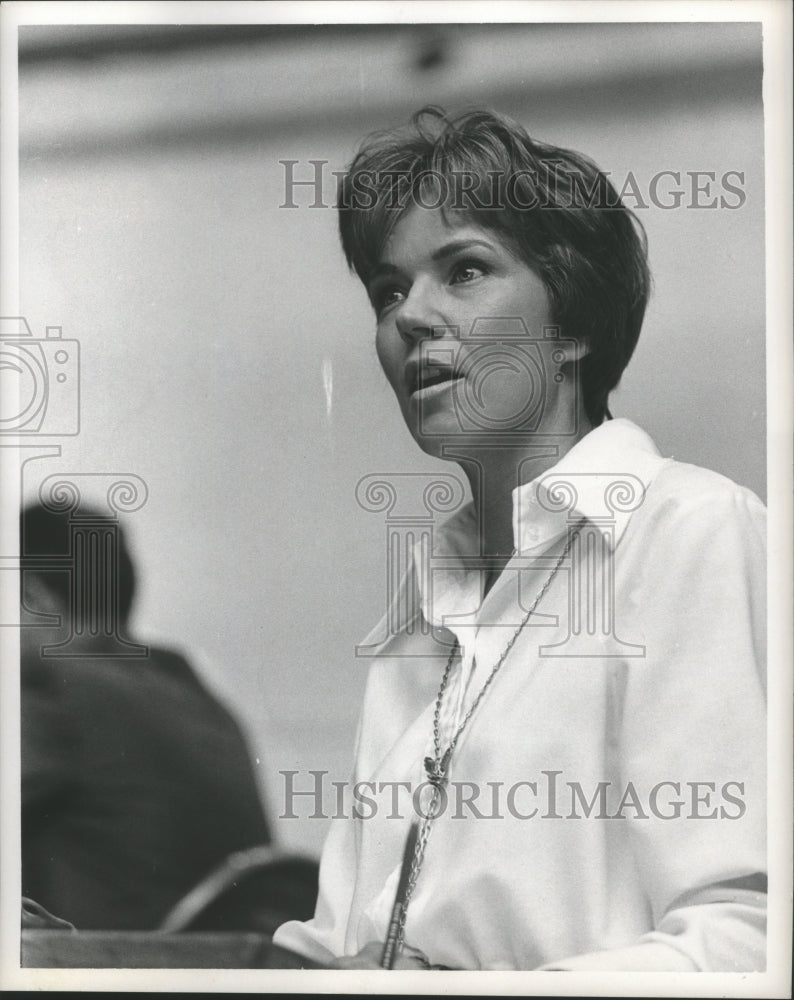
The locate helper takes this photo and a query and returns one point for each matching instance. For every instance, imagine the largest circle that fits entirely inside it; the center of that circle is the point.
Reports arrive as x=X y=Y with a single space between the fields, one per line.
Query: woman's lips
x=435 y=389
x=427 y=373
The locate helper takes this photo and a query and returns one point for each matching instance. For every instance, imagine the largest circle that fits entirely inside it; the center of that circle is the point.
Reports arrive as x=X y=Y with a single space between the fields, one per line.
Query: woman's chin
x=445 y=439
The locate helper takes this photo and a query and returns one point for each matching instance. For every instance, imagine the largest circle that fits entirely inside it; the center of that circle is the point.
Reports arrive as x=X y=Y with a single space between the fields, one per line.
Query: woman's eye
x=468 y=270
x=386 y=297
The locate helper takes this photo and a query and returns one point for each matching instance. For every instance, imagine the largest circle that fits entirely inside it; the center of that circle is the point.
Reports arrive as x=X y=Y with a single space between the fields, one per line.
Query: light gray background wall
x=151 y=231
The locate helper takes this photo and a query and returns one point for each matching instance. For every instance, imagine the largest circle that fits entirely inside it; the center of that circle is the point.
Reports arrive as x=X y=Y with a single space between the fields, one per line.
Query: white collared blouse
x=605 y=807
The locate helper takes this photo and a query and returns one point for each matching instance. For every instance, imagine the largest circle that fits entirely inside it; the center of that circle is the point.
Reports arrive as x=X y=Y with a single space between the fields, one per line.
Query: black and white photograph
x=395 y=434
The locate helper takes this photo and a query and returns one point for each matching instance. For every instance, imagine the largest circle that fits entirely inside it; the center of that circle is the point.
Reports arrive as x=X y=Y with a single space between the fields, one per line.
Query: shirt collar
x=602 y=478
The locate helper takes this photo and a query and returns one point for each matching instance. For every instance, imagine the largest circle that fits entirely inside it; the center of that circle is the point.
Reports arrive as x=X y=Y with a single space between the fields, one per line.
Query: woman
x=576 y=706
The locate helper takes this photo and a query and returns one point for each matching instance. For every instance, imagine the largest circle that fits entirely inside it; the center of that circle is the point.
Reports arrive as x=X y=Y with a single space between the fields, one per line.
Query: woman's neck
x=494 y=472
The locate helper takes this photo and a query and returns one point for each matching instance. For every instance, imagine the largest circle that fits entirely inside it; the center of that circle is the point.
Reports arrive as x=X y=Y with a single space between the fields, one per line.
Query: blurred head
x=48 y=574
x=553 y=208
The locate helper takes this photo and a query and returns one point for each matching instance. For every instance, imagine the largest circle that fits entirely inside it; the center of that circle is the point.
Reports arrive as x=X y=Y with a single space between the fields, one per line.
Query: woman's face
x=460 y=332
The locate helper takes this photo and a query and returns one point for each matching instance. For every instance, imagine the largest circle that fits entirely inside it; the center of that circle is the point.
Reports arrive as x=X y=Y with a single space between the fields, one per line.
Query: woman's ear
x=568 y=355
x=577 y=349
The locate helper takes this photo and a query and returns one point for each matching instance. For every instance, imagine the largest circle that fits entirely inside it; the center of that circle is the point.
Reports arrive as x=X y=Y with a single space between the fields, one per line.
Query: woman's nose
x=418 y=315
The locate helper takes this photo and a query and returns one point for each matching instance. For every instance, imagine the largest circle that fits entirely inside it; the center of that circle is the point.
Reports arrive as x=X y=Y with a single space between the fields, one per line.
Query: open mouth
x=435 y=376
x=428 y=376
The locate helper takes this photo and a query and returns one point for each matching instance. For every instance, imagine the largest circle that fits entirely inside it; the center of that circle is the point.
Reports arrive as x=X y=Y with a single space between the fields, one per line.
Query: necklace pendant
x=437 y=770
x=435 y=774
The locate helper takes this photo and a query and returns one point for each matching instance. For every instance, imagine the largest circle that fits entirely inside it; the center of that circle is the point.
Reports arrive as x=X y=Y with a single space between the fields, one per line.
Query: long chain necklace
x=437 y=767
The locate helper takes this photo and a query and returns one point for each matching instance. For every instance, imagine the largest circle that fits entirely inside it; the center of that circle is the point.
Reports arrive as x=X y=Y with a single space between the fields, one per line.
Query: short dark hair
x=555 y=207
x=45 y=538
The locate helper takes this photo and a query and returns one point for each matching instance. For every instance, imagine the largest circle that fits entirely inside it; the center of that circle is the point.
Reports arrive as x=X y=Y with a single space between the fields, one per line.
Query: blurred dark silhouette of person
x=136 y=781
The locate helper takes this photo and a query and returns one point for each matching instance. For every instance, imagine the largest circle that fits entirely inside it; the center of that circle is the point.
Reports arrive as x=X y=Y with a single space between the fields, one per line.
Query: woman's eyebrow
x=456 y=246
x=380 y=269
